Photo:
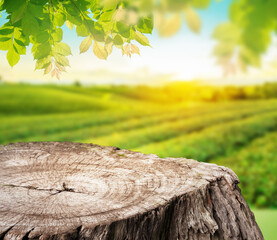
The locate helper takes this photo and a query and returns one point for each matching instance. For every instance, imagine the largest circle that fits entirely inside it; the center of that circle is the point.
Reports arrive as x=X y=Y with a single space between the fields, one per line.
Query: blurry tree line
x=193 y=91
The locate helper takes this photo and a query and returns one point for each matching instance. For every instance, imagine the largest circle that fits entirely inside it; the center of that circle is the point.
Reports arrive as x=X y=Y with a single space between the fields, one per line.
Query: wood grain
x=55 y=190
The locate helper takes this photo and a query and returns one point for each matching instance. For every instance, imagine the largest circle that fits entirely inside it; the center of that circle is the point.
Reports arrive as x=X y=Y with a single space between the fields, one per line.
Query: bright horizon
x=185 y=56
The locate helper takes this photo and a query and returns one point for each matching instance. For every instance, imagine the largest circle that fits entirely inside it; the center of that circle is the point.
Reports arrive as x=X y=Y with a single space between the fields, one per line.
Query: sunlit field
x=233 y=127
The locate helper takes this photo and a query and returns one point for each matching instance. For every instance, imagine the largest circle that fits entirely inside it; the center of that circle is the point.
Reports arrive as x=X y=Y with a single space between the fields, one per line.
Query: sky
x=185 y=56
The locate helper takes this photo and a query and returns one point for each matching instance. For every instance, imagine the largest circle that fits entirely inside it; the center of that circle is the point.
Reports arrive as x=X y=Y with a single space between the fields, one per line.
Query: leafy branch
x=106 y=24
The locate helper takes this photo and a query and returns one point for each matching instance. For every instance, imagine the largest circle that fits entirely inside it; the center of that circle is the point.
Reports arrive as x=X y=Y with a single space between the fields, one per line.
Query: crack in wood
x=3 y=234
x=56 y=191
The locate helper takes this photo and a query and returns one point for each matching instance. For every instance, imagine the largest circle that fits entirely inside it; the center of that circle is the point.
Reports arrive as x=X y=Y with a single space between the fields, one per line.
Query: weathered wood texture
x=83 y=191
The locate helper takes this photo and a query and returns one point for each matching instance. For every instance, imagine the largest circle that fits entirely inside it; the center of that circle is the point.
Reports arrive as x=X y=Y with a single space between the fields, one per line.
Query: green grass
x=44 y=99
x=256 y=167
x=154 y=134
x=241 y=134
x=216 y=140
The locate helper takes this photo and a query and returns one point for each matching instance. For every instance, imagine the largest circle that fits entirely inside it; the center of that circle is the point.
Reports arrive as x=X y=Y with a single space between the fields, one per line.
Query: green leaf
x=77 y=20
x=20 y=47
x=123 y=29
x=12 y=56
x=69 y=24
x=35 y=10
x=18 y=14
x=226 y=32
x=59 y=19
x=42 y=50
x=107 y=15
x=58 y=35
x=85 y=45
x=43 y=63
x=83 y=5
x=97 y=31
x=193 y=20
x=109 y=47
x=140 y=38
x=46 y=24
x=118 y=41
x=12 y=5
x=6 y=31
x=93 y=6
x=18 y=35
x=107 y=26
x=30 y=25
x=62 y=60
x=62 y=49
x=60 y=67
x=5 y=43
x=145 y=25
x=99 y=50
x=48 y=69
x=42 y=37
x=169 y=26
x=82 y=31
x=71 y=9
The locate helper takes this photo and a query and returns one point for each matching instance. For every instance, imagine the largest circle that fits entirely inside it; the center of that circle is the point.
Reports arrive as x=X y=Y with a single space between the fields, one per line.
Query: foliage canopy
x=248 y=34
x=106 y=24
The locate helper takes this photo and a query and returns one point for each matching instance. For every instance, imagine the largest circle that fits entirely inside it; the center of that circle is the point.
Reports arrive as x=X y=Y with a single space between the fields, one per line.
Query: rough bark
x=84 y=191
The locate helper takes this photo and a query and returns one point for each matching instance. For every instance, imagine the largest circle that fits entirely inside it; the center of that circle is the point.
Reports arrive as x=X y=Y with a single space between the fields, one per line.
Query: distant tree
x=77 y=83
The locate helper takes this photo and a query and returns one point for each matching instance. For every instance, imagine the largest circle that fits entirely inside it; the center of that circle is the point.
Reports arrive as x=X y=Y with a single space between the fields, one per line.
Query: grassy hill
x=239 y=133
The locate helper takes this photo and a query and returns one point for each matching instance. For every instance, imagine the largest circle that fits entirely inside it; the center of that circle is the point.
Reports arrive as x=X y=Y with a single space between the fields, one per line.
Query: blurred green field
x=240 y=134
x=266 y=219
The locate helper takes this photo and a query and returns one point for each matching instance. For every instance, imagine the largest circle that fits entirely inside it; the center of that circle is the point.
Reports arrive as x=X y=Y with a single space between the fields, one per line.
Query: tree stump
x=57 y=190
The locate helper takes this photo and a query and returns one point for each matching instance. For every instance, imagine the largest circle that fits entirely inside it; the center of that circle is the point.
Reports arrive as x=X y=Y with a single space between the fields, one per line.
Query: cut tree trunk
x=57 y=190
